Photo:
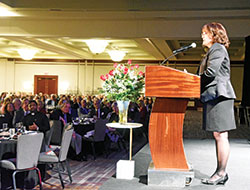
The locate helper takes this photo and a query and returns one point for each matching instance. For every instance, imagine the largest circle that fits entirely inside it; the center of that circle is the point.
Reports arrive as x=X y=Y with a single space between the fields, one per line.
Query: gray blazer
x=215 y=74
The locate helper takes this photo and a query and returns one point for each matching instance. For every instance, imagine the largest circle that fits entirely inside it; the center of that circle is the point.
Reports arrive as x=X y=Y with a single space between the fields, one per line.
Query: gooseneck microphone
x=184 y=48
x=175 y=52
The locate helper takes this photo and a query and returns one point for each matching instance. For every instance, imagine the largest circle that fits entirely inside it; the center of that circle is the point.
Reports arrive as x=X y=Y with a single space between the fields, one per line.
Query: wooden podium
x=172 y=89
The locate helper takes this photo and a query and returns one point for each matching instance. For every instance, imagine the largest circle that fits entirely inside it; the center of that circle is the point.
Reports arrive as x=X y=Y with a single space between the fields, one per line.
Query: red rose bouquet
x=124 y=82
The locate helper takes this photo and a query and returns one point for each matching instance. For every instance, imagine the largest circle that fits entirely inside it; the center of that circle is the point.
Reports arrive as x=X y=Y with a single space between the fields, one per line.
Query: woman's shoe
x=222 y=180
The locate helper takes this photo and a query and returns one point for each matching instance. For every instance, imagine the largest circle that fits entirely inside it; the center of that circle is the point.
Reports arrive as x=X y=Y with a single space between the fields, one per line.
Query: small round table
x=130 y=126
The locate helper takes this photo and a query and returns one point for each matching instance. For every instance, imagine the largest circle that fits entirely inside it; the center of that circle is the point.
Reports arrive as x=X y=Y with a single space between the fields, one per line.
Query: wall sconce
x=97 y=46
x=27 y=85
x=116 y=55
x=27 y=54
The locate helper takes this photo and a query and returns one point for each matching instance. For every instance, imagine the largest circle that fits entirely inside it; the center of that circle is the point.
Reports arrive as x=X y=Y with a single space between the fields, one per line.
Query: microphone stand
x=165 y=60
x=175 y=52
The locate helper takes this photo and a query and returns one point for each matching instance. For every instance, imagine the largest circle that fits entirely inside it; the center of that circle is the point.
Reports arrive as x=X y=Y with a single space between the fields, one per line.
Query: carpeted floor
x=86 y=175
x=91 y=174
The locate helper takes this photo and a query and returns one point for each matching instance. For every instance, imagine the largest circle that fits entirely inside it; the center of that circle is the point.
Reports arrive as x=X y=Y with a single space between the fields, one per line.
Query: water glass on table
x=12 y=132
x=19 y=125
x=5 y=126
x=23 y=129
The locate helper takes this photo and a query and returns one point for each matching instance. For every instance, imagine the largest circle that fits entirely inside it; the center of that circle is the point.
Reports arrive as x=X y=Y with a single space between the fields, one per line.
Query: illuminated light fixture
x=64 y=85
x=5 y=11
x=27 y=85
x=97 y=46
x=116 y=55
x=27 y=54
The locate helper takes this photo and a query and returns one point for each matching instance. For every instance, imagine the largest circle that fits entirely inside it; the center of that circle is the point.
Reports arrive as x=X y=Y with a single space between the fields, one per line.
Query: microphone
x=184 y=48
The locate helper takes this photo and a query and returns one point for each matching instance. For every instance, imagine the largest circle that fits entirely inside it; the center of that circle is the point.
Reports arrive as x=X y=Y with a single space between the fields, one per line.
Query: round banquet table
x=83 y=128
x=7 y=146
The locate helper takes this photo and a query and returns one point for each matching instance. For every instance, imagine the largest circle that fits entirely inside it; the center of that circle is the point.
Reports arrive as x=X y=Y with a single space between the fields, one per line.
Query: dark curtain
x=246 y=79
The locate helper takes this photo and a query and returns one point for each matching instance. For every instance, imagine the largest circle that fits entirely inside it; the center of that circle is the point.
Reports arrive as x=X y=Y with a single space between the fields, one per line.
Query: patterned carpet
x=88 y=175
x=91 y=174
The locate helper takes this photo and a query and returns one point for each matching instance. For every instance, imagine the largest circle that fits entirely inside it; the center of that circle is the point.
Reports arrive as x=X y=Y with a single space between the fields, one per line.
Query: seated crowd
x=35 y=111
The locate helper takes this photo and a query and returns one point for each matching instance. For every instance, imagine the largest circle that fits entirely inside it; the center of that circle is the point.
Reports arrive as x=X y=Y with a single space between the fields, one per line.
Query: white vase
x=123 y=111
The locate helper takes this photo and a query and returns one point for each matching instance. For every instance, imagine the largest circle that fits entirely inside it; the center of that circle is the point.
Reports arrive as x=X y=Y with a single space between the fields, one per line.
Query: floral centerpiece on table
x=124 y=83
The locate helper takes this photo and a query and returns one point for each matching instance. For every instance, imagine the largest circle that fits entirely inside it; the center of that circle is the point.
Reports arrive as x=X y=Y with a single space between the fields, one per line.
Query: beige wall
x=82 y=77
x=24 y=76
x=6 y=75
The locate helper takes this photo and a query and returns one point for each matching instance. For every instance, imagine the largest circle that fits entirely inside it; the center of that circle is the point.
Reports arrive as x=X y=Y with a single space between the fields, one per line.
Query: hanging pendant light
x=97 y=46
x=116 y=55
x=27 y=54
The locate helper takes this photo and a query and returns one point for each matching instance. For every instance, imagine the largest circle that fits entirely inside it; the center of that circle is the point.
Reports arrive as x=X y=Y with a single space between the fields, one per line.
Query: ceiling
x=143 y=29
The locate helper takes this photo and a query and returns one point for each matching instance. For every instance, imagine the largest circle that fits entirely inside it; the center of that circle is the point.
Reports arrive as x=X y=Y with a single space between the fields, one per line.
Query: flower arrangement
x=124 y=82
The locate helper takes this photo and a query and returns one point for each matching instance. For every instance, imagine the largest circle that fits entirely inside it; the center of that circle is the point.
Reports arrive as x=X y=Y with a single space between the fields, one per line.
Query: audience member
x=9 y=113
x=82 y=110
x=114 y=115
x=74 y=107
x=40 y=106
x=62 y=113
x=5 y=102
x=25 y=106
x=97 y=111
x=18 y=113
x=52 y=102
x=133 y=112
x=35 y=120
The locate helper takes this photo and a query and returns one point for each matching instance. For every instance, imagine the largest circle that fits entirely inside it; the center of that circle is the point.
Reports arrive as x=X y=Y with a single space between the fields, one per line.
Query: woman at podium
x=217 y=95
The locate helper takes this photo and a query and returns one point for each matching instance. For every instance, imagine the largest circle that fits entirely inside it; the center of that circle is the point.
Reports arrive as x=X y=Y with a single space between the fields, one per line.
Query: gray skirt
x=218 y=115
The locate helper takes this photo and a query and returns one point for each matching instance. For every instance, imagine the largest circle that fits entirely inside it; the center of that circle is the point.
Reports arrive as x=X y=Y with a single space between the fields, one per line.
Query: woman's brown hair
x=218 y=32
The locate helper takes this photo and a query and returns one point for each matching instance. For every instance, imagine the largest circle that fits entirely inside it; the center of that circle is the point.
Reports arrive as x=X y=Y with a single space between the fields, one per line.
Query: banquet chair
x=56 y=136
x=60 y=157
x=98 y=136
x=48 y=134
x=28 y=149
x=47 y=139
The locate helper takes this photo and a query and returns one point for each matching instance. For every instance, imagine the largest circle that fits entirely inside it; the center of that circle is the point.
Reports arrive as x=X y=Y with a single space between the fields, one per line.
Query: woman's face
x=66 y=108
x=39 y=106
x=10 y=108
x=207 y=38
x=17 y=104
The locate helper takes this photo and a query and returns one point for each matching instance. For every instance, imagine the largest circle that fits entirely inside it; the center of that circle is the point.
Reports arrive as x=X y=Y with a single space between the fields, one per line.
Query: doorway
x=47 y=84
